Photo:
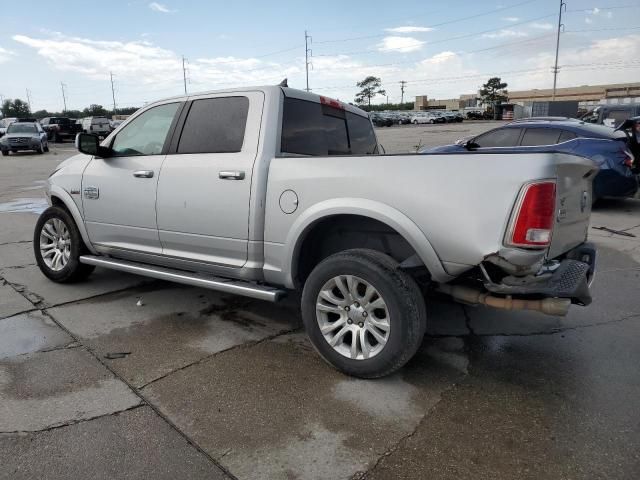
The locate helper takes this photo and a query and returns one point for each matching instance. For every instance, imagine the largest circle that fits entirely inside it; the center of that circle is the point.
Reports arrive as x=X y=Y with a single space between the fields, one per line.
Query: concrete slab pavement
x=175 y=327
x=30 y=332
x=134 y=444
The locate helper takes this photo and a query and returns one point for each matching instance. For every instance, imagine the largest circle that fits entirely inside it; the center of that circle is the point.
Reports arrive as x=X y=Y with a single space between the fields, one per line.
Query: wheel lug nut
x=364 y=314
x=361 y=324
x=349 y=321
x=347 y=309
x=356 y=304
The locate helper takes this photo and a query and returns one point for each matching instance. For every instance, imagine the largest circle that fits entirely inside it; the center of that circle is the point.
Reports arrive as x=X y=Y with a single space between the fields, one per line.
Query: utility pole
x=184 y=75
x=402 y=84
x=113 y=93
x=64 y=97
x=28 y=98
x=307 y=51
x=555 y=67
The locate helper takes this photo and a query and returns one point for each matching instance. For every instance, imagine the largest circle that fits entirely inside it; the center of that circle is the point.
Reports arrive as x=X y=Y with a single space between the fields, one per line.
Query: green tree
x=94 y=110
x=16 y=108
x=494 y=92
x=370 y=87
x=41 y=114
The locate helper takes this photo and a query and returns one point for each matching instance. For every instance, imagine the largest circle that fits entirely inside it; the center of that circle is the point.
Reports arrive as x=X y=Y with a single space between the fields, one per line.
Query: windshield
x=22 y=128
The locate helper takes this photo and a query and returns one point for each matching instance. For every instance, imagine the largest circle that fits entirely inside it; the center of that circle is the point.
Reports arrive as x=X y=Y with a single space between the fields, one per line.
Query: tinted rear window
x=215 y=125
x=310 y=128
x=501 y=137
x=540 y=136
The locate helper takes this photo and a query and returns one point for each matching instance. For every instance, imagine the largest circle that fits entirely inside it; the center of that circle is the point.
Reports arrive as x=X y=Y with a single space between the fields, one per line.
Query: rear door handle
x=231 y=175
x=143 y=173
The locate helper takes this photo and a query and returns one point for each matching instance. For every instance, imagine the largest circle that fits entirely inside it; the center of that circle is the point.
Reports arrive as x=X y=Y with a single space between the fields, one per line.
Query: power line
x=555 y=66
x=448 y=22
x=113 y=93
x=64 y=98
x=307 y=38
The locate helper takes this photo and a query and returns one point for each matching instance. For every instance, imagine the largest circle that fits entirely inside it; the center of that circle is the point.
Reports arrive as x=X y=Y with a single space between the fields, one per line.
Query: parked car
x=115 y=124
x=607 y=148
x=24 y=136
x=60 y=128
x=380 y=120
x=4 y=123
x=612 y=115
x=98 y=126
x=287 y=190
x=427 y=117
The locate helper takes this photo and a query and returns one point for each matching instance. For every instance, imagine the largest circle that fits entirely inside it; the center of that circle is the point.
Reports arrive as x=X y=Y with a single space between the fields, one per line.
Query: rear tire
x=40 y=150
x=57 y=245
x=5 y=153
x=362 y=297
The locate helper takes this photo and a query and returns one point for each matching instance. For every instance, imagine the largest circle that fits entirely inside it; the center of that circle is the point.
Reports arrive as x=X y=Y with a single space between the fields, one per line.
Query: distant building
x=423 y=103
x=586 y=95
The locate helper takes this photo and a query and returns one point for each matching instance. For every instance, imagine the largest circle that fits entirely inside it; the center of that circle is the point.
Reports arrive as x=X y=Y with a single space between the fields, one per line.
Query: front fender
x=62 y=195
x=365 y=208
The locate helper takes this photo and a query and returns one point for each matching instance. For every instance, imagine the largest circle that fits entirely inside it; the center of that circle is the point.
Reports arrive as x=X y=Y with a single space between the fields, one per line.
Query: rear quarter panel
x=460 y=203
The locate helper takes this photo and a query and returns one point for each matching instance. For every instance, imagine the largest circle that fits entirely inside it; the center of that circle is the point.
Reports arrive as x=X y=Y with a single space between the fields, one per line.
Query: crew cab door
x=205 y=186
x=119 y=192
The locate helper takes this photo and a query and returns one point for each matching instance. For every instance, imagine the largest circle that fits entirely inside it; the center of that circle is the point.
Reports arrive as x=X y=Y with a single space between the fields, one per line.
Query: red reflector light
x=331 y=102
x=532 y=223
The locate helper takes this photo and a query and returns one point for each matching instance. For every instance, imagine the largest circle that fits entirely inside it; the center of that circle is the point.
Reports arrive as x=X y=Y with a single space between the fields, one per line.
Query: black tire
x=5 y=153
x=73 y=271
x=404 y=300
x=415 y=122
x=46 y=147
x=40 y=150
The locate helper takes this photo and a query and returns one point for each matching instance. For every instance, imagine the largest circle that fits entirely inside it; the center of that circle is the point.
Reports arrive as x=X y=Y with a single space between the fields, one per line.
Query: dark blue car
x=606 y=147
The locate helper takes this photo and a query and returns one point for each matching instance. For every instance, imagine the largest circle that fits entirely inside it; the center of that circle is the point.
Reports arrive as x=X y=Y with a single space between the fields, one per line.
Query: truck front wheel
x=364 y=315
x=57 y=246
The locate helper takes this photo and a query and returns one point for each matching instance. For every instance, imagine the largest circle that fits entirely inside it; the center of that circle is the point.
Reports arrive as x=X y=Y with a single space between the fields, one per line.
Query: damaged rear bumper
x=569 y=277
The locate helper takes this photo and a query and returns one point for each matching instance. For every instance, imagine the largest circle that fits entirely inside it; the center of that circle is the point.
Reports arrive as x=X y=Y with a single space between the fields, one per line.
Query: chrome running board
x=238 y=287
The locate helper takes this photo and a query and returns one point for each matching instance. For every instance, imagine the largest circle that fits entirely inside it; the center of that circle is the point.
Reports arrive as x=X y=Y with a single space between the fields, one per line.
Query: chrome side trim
x=247 y=289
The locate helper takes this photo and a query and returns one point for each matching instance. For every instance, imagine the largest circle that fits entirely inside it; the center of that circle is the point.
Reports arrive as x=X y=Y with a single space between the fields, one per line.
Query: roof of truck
x=276 y=90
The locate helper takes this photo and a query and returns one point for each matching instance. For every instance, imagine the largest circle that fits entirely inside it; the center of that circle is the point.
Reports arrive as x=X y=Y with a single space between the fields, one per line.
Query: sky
x=441 y=49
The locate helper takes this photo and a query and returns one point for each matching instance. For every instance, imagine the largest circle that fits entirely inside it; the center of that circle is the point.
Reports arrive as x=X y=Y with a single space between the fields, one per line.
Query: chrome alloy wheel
x=353 y=317
x=55 y=244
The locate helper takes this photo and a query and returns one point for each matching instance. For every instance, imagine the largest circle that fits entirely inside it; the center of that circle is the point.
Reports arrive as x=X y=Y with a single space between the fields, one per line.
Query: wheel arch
x=60 y=198
x=367 y=211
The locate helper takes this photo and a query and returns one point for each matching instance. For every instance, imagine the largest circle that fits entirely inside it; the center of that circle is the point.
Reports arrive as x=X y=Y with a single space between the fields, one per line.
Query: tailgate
x=574 y=176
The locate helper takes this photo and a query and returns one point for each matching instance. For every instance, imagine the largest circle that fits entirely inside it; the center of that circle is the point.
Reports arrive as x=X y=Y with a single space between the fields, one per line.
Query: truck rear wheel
x=364 y=315
x=57 y=245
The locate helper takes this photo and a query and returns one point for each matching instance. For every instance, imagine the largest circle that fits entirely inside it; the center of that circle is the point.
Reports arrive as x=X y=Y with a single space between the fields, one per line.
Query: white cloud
x=510 y=19
x=588 y=21
x=542 y=25
x=595 y=11
x=159 y=7
x=147 y=67
x=609 y=14
x=408 y=29
x=5 y=55
x=505 y=33
x=400 y=44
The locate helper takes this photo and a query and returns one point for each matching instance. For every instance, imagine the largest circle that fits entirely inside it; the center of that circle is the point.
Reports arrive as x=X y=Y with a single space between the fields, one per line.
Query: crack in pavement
x=68 y=346
x=362 y=475
x=212 y=355
x=72 y=422
x=138 y=393
x=16 y=242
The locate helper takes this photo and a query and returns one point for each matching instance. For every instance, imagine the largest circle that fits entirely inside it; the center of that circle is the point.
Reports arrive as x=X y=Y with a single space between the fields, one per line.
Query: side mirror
x=90 y=145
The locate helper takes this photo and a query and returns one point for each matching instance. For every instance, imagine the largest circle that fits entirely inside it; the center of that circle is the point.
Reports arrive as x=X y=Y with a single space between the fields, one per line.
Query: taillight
x=532 y=221
x=628 y=157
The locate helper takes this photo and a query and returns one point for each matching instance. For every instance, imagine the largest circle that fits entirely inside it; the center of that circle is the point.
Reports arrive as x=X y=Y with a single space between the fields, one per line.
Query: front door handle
x=143 y=173
x=231 y=175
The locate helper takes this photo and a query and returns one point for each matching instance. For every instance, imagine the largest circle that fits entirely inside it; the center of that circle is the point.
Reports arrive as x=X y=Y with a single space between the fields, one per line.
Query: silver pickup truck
x=258 y=191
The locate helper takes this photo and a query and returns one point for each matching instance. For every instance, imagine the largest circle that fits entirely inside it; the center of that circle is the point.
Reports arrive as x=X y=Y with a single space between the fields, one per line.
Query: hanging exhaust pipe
x=550 y=306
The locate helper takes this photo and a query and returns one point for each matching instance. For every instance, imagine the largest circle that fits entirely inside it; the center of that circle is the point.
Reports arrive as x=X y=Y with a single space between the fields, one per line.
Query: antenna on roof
x=283 y=83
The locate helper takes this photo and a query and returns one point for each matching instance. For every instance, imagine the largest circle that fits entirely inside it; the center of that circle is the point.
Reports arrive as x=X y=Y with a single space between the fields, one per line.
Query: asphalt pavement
x=126 y=377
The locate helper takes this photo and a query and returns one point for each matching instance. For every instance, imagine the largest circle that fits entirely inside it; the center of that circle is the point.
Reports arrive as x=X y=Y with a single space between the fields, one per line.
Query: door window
x=540 y=136
x=146 y=134
x=215 y=125
x=501 y=137
x=616 y=117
